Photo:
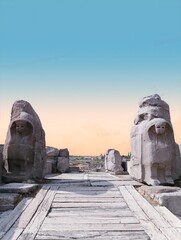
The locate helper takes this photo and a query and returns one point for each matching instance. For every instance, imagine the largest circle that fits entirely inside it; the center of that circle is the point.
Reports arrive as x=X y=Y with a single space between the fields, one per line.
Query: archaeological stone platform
x=89 y=206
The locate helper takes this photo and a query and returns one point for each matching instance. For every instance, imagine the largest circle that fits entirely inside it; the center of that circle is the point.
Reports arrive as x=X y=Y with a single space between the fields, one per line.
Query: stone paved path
x=87 y=207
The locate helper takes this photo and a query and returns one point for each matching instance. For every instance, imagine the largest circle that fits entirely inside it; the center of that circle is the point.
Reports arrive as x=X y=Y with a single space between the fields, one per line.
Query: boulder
x=8 y=201
x=64 y=152
x=52 y=152
x=63 y=164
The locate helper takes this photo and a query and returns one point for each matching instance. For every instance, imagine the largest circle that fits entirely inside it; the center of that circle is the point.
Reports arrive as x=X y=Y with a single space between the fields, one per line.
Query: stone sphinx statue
x=158 y=153
x=155 y=158
x=24 y=150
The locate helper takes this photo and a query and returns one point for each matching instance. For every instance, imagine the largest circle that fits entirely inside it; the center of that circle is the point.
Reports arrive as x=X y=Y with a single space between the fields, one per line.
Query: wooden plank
x=86 y=188
x=88 y=200
x=6 y=223
x=31 y=230
x=129 y=237
x=26 y=216
x=90 y=188
x=13 y=234
x=152 y=231
x=73 y=184
x=92 y=212
x=90 y=235
x=31 y=209
x=89 y=209
x=78 y=196
x=114 y=183
x=166 y=229
x=169 y=216
x=64 y=176
x=155 y=216
x=89 y=194
x=89 y=219
x=91 y=227
x=89 y=205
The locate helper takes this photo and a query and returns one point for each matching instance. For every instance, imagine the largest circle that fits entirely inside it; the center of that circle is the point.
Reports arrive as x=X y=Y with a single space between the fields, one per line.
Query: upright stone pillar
x=113 y=162
x=63 y=163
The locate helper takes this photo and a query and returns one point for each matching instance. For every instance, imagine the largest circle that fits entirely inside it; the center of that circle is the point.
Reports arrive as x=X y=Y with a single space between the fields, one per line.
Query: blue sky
x=60 y=35
x=90 y=53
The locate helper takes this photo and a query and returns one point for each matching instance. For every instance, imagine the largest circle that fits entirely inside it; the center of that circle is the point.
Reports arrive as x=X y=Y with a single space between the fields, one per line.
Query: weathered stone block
x=20 y=188
x=171 y=200
x=52 y=152
x=113 y=161
x=48 y=168
x=153 y=190
x=63 y=164
x=8 y=201
x=64 y=152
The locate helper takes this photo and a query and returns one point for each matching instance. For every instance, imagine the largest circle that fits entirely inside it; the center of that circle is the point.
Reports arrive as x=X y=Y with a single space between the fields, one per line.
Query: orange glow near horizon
x=88 y=131
x=85 y=65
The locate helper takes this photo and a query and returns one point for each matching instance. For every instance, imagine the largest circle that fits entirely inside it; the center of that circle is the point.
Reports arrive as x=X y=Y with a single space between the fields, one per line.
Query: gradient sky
x=84 y=65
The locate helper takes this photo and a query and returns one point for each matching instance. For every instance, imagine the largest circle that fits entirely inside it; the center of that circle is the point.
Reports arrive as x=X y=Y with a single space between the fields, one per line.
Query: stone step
x=8 y=201
x=12 y=193
x=20 y=188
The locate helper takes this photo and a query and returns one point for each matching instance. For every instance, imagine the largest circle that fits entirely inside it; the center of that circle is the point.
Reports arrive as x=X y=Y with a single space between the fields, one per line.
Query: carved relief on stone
x=24 y=150
x=158 y=152
x=153 y=149
x=152 y=107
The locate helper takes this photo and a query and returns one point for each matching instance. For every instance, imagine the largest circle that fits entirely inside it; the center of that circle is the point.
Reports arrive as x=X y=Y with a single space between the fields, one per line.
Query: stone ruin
x=113 y=162
x=24 y=150
x=63 y=161
x=57 y=160
x=155 y=157
x=1 y=160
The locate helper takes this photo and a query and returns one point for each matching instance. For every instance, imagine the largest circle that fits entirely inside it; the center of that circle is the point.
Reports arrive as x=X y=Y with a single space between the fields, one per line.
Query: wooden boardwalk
x=87 y=207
